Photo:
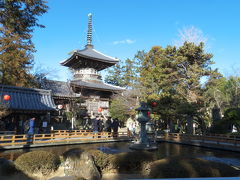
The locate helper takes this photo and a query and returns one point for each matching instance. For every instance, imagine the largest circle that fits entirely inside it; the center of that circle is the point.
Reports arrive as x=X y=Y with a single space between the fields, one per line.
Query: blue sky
x=122 y=27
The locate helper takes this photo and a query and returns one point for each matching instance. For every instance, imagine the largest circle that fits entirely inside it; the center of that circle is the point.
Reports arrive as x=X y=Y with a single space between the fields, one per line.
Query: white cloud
x=126 y=41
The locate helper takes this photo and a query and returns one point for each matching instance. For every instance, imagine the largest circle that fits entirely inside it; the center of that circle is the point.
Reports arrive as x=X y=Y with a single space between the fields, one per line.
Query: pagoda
x=87 y=82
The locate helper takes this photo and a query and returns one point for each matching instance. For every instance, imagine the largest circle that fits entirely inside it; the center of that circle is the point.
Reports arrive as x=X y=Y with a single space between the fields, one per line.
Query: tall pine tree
x=172 y=76
x=115 y=75
x=18 y=19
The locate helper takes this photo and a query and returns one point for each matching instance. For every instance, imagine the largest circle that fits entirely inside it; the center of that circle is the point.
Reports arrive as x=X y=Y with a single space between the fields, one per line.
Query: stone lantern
x=143 y=118
x=143 y=143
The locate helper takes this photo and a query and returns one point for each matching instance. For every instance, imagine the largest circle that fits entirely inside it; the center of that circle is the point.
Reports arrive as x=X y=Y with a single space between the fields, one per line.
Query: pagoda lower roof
x=89 y=57
x=96 y=85
x=59 y=88
x=64 y=90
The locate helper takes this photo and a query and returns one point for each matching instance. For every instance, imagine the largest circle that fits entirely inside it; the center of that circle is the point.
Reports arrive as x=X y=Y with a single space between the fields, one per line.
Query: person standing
x=131 y=126
x=31 y=126
x=115 y=125
x=108 y=125
x=101 y=122
x=95 y=123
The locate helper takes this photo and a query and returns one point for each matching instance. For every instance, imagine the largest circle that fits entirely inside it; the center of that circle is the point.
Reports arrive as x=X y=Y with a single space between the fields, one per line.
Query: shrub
x=123 y=162
x=221 y=127
x=38 y=162
x=102 y=160
x=131 y=161
x=185 y=167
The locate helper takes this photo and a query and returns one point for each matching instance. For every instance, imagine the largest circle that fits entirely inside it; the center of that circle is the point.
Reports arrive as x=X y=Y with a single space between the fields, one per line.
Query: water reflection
x=164 y=150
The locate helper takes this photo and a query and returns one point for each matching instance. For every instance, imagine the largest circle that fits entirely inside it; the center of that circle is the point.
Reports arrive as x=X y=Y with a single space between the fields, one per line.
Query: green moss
x=38 y=162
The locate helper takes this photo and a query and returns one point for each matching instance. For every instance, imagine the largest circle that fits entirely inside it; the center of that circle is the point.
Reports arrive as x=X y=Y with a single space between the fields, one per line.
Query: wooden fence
x=60 y=136
x=214 y=139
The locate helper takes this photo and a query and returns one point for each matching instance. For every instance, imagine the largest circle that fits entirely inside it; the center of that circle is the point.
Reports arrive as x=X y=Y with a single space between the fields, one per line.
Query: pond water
x=164 y=150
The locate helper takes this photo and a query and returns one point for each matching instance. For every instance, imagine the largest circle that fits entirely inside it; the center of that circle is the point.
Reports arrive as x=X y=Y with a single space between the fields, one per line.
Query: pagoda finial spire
x=89 y=33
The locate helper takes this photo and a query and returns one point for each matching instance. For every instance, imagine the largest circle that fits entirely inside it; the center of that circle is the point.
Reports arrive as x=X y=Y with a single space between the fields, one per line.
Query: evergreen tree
x=115 y=75
x=172 y=75
x=124 y=104
x=125 y=74
x=131 y=73
x=18 y=19
x=223 y=93
x=192 y=65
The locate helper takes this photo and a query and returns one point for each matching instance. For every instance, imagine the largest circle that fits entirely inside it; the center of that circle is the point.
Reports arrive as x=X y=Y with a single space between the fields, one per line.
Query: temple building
x=58 y=104
x=87 y=83
x=22 y=104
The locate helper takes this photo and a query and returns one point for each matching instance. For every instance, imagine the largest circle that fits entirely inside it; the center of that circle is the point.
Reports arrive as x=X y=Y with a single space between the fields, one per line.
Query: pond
x=164 y=150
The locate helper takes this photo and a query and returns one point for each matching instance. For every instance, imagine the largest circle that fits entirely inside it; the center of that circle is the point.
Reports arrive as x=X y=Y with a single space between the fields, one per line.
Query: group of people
x=101 y=123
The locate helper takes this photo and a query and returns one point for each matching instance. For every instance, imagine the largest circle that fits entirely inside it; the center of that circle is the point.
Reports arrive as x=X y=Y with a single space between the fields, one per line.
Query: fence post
x=52 y=136
x=33 y=139
x=13 y=140
x=166 y=136
x=67 y=136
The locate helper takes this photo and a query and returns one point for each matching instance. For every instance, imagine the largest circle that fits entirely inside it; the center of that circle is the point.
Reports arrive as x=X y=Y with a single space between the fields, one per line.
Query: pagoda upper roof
x=89 y=58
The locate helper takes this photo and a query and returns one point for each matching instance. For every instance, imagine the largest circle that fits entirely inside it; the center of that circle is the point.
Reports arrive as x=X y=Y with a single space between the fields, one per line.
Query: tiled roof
x=89 y=53
x=99 y=85
x=62 y=89
x=28 y=98
x=58 y=88
x=93 y=53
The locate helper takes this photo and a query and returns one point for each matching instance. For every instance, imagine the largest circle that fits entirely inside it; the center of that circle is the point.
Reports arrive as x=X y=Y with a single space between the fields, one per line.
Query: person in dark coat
x=101 y=123
x=95 y=124
x=115 y=125
x=108 y=125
